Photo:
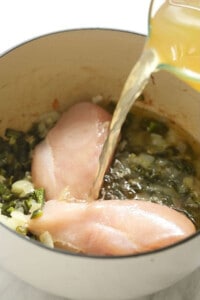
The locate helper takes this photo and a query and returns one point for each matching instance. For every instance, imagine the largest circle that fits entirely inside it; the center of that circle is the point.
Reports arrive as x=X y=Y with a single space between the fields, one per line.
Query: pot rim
x=65 y=252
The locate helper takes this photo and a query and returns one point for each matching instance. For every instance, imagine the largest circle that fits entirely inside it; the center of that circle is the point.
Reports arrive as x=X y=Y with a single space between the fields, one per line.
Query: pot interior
x=72 y=66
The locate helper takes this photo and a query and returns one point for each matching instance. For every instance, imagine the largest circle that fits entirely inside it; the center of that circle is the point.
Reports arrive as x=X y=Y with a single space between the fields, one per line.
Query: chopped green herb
x=39 y=196
x=36 y=214
x=154 y=126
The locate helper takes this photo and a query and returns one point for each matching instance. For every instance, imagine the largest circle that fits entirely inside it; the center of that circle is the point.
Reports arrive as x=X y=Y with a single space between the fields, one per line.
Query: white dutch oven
x=72 y=66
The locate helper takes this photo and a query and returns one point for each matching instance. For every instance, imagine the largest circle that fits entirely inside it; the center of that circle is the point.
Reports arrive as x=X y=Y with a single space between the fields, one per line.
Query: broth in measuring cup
x=175 y=36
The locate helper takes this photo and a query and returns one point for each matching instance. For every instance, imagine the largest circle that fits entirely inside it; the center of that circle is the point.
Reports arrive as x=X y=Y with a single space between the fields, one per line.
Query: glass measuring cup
x=174 y=33
x=173 y=44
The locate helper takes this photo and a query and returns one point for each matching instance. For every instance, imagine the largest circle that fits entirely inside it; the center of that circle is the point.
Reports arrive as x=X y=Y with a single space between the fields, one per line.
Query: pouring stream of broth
x=174 y=45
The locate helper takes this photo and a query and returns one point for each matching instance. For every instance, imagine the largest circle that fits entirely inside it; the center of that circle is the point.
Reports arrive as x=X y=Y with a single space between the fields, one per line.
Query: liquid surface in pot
x=157 y=161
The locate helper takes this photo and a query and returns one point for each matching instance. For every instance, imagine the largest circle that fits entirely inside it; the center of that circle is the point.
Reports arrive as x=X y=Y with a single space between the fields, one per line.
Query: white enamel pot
x=73 y=66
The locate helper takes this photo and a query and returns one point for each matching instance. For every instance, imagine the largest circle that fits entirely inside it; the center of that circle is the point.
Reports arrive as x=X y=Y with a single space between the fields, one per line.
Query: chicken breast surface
x=111 y=227
x=66 y=162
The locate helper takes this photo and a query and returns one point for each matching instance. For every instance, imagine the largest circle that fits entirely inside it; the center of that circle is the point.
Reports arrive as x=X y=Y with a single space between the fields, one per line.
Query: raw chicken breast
x=66 y=162
x=111 y=227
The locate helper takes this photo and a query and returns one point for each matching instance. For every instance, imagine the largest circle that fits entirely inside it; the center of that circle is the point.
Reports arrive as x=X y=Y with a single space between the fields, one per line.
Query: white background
x=22 y=20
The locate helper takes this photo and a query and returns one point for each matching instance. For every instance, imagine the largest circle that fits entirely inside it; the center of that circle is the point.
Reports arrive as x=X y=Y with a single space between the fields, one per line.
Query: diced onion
x=46 y=239
x=17 y=219
x=22 y=187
